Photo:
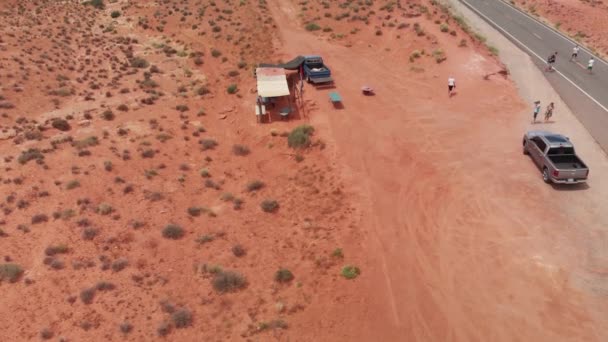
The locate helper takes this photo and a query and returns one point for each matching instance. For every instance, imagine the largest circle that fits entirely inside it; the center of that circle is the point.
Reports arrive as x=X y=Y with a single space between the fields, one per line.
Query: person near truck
x=549 y=111
x=536 y=109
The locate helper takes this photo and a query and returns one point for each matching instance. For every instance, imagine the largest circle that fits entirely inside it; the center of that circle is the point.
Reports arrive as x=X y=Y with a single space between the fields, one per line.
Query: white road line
x=554 y=31
x=537 y=36
x=534 y=53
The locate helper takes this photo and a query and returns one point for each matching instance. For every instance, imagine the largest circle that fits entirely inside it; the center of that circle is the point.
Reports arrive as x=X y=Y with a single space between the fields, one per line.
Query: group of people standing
x=548 y=111
x=551 y=60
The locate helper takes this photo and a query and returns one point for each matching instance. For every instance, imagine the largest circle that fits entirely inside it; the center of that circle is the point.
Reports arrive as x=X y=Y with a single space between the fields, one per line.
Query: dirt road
x=465 y=242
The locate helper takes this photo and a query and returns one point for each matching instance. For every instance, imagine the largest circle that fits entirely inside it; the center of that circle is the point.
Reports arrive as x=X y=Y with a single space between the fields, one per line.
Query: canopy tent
x=293 y=64
x=272 y=82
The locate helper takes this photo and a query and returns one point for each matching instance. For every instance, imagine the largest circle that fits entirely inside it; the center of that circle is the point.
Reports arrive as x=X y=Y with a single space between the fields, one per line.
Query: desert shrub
x=10 y=272
x=105 y=209
x=300 y=137
x=418 y=29
x=181 y=318
x=87 y=295
x=86 y=142
x=255 y=185
x=173 y=231
x=493 y=50
x=240 y=150
x=269 y=206
x=205 y=173
x=242 y=65
x=195 y=211
x=104 y=286
x=30 y=154
x=228 y=281
x=108 y=115
x=233 y=73
x=463 y=43
x=89 y=233
x=203 y=90
x=182 y=108
x=39 y=218
x=232 y=89
x=312 y=27
x=99 y=4
x=198 y=60
x=208 y=144
x=415 y=54
x=123 y=107
x=107 y=165
x=439 y=55
x=283 y=275
x=204 y=239
x=237 y=203
x=227 y=197
x=61 y=124
x=139 y=62
x=238 y=250
x=46 y=334
x=57 y=264
x=119 y=265
x=33 y=135
x=148 y=153
x=125 y=327
x=163 y=329
x=73 y=184
x=338 y=253
x=444 y=28
x=350 y=272
x=53 y=250
x=115 y=14
x=211 y=184
x=216 y=53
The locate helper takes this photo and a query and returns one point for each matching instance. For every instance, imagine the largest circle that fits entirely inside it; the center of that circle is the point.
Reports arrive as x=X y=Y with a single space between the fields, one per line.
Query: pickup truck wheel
x=308 y=79
x=525 y=149
x=546 y=176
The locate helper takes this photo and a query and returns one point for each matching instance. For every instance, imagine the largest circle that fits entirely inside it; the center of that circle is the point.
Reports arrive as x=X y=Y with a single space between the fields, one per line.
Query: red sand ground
x=410 y=183
x=583 y=20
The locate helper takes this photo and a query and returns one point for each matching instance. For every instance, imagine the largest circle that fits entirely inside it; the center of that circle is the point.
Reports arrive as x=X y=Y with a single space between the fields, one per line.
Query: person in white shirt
x=451 y=85
x=590 y=65
x=574 y=52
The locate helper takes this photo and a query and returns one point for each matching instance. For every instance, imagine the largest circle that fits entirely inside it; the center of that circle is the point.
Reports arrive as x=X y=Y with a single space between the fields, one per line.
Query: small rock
x=222 y=116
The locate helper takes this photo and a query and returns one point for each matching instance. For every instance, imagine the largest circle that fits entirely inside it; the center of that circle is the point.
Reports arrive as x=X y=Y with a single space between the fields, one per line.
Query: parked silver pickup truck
x=555 y=157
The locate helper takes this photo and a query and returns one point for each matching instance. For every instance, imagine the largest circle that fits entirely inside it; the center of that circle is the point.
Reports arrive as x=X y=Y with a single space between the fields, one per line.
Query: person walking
x=451 y=85
x=575 y=50
x=536 y=110
x=549 y=111
x=590 y=65
x=551 y=61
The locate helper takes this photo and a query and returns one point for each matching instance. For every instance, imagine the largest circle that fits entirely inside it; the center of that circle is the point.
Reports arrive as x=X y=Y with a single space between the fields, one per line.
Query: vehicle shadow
x=543 y=122
x=570 y=187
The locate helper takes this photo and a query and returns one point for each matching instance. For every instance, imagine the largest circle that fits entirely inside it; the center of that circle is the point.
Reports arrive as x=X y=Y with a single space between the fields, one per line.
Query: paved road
x=586 y=95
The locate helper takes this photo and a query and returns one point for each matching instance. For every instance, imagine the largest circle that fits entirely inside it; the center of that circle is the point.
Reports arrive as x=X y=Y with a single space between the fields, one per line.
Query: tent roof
x=272 y=82
x=293 y=64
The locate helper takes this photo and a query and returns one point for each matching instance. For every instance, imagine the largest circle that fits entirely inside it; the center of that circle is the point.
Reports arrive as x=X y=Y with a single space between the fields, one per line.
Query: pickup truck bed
x=567 y=162
x=318 y=80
